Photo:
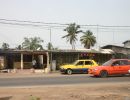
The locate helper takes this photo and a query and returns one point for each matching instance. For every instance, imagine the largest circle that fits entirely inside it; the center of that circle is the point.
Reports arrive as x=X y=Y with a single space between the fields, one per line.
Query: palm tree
x=5 y=46
x=50 y=47
x=88 y=39
x=32 y=43
x=72 y=31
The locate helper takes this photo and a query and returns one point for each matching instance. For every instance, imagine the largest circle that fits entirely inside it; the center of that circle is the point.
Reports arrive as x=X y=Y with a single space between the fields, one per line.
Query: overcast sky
x=82 y=12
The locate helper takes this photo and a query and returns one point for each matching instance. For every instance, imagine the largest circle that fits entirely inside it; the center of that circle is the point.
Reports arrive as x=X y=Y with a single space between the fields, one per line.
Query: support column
x=40 y=58
x=48 y=65
x=21 y=61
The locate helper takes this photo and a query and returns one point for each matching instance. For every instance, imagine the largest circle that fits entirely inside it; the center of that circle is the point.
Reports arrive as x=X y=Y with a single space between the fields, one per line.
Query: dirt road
x=118 y=91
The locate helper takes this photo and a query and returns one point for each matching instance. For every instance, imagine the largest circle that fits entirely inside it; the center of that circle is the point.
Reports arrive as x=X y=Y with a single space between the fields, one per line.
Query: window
x=88 y=63
x=80 y=63
x=108 y=63
x=128 y=62
x=124 y=62
x=121 y=62
x=116 y=63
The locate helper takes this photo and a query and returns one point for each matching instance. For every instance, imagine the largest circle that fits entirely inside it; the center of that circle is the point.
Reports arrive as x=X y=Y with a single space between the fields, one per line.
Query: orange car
x=112 y=67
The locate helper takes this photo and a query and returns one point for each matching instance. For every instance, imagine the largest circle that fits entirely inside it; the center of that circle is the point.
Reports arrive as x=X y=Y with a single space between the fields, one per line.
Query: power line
x=18 y=22
x=35 y=25
x=32 y=22
x=104 y=26
x=98 y=28
x=62 y=27
x=43 y=25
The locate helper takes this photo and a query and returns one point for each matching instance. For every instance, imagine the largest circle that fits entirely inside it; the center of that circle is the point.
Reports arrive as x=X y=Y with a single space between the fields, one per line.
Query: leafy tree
x=19 y=47
x=88 y=39
x=32 y=43
x=72 y=31
x=5 y=46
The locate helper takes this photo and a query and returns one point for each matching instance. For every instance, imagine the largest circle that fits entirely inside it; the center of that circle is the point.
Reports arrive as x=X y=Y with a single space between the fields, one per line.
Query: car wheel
x=69 y=71
x=103 y=74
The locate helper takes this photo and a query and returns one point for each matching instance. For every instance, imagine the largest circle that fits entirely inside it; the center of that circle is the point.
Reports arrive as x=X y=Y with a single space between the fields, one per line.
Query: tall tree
x=32 y=43
x=19 y=47
x=5 y=46
x=50 y=47
x=88 y=39
x=72 y=31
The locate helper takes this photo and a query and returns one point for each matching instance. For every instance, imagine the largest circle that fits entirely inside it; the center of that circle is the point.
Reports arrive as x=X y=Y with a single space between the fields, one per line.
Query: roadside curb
x=28 y=74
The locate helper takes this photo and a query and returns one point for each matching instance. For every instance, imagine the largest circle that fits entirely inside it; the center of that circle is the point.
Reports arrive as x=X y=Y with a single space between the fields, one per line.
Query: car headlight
x=61 y=67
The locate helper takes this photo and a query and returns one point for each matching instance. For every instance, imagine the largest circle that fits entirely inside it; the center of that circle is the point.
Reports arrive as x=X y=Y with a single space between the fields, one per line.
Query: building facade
x=120 y=51
x=127 y=44
x=51 y=59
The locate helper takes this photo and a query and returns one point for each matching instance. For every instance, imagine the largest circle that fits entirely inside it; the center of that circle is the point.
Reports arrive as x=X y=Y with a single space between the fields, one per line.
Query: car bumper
x=63 y=70
x=93 y=72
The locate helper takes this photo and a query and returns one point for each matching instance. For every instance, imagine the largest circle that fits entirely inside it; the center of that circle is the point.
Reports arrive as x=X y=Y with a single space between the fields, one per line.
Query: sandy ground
x=104 y=91
x=95 y=91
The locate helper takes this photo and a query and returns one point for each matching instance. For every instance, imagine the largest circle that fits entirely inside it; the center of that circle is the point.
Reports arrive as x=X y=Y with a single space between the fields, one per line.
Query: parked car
x=112 y=67
x=79 y=66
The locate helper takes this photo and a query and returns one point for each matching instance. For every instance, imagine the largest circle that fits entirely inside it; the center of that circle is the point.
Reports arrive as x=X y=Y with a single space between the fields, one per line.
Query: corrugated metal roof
x=107 y=51
x=77 y=50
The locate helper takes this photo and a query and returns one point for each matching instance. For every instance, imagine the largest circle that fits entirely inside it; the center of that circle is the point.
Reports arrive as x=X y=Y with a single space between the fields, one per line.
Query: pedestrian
x=34 y=63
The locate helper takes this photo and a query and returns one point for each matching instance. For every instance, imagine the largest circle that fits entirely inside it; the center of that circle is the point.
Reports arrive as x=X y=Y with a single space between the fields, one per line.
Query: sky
x=82 y=12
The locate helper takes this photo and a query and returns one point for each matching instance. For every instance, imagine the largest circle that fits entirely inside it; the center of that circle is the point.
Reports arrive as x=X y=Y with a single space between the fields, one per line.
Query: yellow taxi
x=79 y=66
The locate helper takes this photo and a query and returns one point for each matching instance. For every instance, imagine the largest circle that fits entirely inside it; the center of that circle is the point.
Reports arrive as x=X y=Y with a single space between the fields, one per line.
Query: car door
x=87 y=65
x=79 y=67
x=115 y=68
x=125 y=66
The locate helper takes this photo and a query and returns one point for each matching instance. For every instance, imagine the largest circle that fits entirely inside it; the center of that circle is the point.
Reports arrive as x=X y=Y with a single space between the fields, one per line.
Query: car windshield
x=75 y=62
x=108 y=63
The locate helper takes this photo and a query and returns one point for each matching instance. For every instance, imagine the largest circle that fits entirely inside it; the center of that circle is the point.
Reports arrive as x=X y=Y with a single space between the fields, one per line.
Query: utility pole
x=50 y=52
x=97 y=37
x=50 y=34
x=113 y=36
x=49 y=55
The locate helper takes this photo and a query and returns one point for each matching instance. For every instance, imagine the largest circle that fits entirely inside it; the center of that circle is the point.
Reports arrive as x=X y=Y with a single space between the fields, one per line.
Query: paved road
x=58 y=80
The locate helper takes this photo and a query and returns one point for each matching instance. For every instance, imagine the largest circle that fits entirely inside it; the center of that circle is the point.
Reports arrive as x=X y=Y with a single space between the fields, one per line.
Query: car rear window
x=124 y=62
x=121 y=62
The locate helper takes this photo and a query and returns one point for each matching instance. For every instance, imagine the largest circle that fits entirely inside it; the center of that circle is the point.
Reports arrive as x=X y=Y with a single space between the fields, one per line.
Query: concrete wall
x=127 y=44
